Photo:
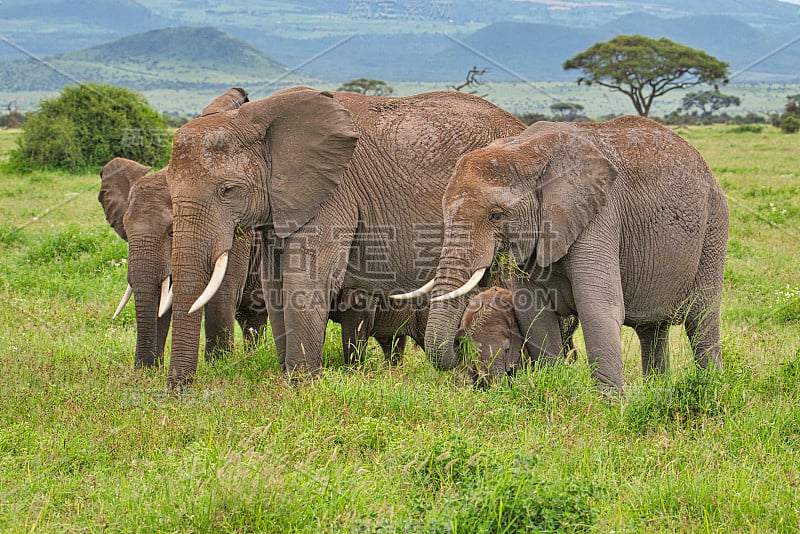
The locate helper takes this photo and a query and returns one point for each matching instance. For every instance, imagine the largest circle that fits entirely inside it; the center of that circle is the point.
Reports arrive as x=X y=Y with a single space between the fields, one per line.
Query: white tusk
x=463 y=290
x=166 y=297
x=213 y=284
x=424 y=290
x=125 y=298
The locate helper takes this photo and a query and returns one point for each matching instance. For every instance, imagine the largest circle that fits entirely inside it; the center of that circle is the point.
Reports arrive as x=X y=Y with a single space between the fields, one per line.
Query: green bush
x=790 y=124
x=747 y=128
x=88 y=125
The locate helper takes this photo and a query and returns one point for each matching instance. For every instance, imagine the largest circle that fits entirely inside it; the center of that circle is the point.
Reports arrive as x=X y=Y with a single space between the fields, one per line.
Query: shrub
x=88 y=125
x=747 y=128
x=790 y=124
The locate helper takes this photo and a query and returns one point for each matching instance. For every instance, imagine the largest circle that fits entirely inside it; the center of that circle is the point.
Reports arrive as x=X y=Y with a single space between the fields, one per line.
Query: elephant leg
x=162 y=329
x=219 y=318
x=252 y=314
x=220 y=312
x=602 y=335
x=305 y=319
x=272 y=287
x=702 y=328
x=541 y=333
x=355 y=334
x=654 y=340
x=393 y=348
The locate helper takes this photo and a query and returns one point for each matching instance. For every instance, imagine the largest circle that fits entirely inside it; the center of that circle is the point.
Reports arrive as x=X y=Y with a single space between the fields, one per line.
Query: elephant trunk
x=147 y=268
x=444 y=317
x=196 y=244
x=146 y=298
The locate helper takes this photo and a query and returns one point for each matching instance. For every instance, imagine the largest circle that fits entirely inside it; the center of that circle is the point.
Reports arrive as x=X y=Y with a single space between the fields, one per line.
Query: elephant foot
x=177 y=384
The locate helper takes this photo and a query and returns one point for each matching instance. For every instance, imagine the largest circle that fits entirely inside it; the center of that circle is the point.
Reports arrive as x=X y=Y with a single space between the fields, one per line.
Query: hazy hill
x=536 y=51
x=47 y=27
x=176 y=58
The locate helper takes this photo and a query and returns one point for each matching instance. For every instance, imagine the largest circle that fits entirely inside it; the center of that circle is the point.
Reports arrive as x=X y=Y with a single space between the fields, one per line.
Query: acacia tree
x=709 y=101
x=644 y=69
x=566 y=111
x=367 y=86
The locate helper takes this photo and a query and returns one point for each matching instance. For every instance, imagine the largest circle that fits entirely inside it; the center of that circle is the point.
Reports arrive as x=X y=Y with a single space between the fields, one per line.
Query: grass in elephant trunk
x=505 y=269
x=87 y=443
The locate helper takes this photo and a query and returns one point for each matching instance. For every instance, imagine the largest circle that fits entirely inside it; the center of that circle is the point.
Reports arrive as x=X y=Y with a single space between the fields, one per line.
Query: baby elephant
x=490 y=338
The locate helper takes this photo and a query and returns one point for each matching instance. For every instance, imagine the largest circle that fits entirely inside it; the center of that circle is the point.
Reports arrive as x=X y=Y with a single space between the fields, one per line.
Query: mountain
x=535 y=51
x=176 y=58
x=47 y=27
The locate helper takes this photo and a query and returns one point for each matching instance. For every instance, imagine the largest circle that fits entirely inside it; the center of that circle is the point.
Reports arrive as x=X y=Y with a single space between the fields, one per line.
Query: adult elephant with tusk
x=139 y=208
x=618 y=223
x=346 y=188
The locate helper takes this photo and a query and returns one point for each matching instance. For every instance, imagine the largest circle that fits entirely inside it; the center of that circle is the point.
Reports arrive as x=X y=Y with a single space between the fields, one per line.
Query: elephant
x=139 y=209
x=345 y=189
x=620 y=223
x=391 y=327
x=496 y=344
x=495 y=341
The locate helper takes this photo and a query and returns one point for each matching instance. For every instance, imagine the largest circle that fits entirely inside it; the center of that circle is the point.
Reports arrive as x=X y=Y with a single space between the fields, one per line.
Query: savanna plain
x=89 y=444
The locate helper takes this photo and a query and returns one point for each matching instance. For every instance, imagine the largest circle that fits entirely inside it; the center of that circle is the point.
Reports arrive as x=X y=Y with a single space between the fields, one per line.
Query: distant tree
x=473 y=79
x=367 y=86
x=792 y=105
x=708 y=102
x=790 y=124
x=530 y=118
x=566 y=111
x=87 y=125
x=791 y=109
x=644 y=69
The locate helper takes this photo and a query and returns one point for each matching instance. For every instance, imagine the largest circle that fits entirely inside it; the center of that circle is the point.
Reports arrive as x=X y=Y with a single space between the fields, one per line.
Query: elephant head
x=490 y=333
x=269 y=162
x=139 y=209
x=529 y=196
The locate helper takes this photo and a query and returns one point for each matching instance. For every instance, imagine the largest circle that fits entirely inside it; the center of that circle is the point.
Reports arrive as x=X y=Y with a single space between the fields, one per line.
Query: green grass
x=89 y=444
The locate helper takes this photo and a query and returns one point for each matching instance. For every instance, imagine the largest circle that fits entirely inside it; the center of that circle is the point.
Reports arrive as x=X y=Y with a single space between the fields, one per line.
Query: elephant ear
x=471 y=313
x=116 y=178
x=231 y=99
x=573 y=189
x=310 y=139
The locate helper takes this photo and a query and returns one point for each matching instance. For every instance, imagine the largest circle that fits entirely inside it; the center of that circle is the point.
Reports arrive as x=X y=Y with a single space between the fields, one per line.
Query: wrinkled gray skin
x=346 y=189
x=620 y=222
x=139 y=208
x=497 y=344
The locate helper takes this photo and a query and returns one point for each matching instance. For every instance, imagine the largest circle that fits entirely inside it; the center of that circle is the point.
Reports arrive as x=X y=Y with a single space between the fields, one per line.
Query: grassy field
x=89 y=444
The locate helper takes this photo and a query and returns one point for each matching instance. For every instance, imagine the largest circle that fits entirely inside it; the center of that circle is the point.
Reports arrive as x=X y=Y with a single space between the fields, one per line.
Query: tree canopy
x=707 y=102
x=367 y=86
x=644 y=69
x=88 y=125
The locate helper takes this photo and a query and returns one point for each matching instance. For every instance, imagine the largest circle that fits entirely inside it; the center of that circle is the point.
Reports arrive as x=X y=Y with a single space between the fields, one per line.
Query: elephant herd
x=390 y=215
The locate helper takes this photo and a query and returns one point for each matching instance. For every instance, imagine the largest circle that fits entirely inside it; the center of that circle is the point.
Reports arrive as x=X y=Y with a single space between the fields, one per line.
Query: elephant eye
x=226 y=190
x=496 y=215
